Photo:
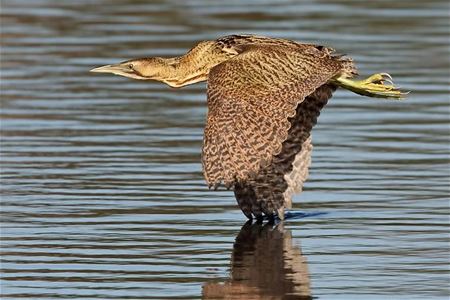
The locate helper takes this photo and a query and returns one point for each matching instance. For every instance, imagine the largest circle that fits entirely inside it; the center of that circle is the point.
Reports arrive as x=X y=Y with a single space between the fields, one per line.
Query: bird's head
x=154 y=68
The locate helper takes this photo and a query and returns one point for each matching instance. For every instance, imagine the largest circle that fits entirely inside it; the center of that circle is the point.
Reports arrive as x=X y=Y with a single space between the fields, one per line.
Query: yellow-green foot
x=378 y=85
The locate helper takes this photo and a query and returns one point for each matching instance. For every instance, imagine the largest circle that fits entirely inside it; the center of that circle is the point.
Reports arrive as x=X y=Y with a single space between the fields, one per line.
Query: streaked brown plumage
x=264 y=97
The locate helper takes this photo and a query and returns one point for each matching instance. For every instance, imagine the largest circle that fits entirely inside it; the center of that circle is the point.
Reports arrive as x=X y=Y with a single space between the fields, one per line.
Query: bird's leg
x=378 y=85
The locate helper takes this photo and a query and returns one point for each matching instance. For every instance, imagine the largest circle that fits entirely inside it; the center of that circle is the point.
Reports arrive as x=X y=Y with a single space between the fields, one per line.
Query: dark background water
x=102 y=191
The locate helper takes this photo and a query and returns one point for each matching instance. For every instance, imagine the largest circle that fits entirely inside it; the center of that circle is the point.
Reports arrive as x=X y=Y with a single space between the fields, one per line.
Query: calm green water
x=102 y=192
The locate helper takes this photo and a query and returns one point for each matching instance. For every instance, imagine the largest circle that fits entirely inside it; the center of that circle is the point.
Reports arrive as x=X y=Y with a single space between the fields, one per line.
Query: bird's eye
x=130 y=66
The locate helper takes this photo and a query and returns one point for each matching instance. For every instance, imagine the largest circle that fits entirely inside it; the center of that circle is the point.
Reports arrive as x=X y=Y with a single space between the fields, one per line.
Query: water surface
x=102 y=191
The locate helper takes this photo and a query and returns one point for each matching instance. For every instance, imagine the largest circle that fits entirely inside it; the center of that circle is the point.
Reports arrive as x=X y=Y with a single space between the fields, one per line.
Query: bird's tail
x=378 y=86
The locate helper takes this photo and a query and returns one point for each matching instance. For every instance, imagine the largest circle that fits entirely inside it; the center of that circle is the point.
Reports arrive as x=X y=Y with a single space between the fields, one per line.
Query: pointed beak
x=115 y=69
x=123 y=69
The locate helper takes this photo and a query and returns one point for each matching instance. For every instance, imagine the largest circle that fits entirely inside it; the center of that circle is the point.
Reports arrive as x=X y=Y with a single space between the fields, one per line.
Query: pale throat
x=181 y=72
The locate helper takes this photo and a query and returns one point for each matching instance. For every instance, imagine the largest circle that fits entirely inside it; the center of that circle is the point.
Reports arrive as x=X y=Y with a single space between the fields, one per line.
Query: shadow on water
x=265 y=264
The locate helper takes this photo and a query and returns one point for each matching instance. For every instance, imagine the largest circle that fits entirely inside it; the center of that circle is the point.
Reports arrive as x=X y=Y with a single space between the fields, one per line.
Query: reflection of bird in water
x=264 y=96
x=265 y=264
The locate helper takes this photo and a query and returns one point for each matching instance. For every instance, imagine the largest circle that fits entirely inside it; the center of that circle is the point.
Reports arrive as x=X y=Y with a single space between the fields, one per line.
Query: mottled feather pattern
x=212 y=172
x=261 y=89
x=264 y=96
x=271 y=190
x=299 y=173
x=262 y=104
x=235 y=44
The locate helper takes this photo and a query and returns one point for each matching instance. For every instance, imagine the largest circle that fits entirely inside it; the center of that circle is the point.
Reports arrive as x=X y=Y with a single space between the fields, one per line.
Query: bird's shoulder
x=237 y=44
x=270 y=70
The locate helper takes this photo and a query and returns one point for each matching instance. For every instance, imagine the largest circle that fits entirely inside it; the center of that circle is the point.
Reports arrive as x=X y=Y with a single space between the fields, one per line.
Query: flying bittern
x=264 y=97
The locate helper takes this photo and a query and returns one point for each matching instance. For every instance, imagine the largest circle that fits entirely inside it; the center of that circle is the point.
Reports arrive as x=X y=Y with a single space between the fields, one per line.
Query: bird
x=264 y=96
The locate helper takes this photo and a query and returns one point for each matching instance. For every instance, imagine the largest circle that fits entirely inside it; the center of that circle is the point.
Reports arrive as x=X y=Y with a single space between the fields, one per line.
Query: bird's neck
x=183 y=72
x=192 y=67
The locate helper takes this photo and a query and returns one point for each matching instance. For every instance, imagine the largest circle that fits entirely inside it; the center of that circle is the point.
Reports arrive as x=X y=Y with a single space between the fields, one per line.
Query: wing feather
x=250 y=100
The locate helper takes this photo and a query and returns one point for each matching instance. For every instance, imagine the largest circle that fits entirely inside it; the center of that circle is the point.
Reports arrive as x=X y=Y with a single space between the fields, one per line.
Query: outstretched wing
x=250 y=98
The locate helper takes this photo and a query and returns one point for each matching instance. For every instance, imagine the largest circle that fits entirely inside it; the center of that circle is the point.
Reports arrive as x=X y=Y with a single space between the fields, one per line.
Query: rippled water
x=102 y=192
